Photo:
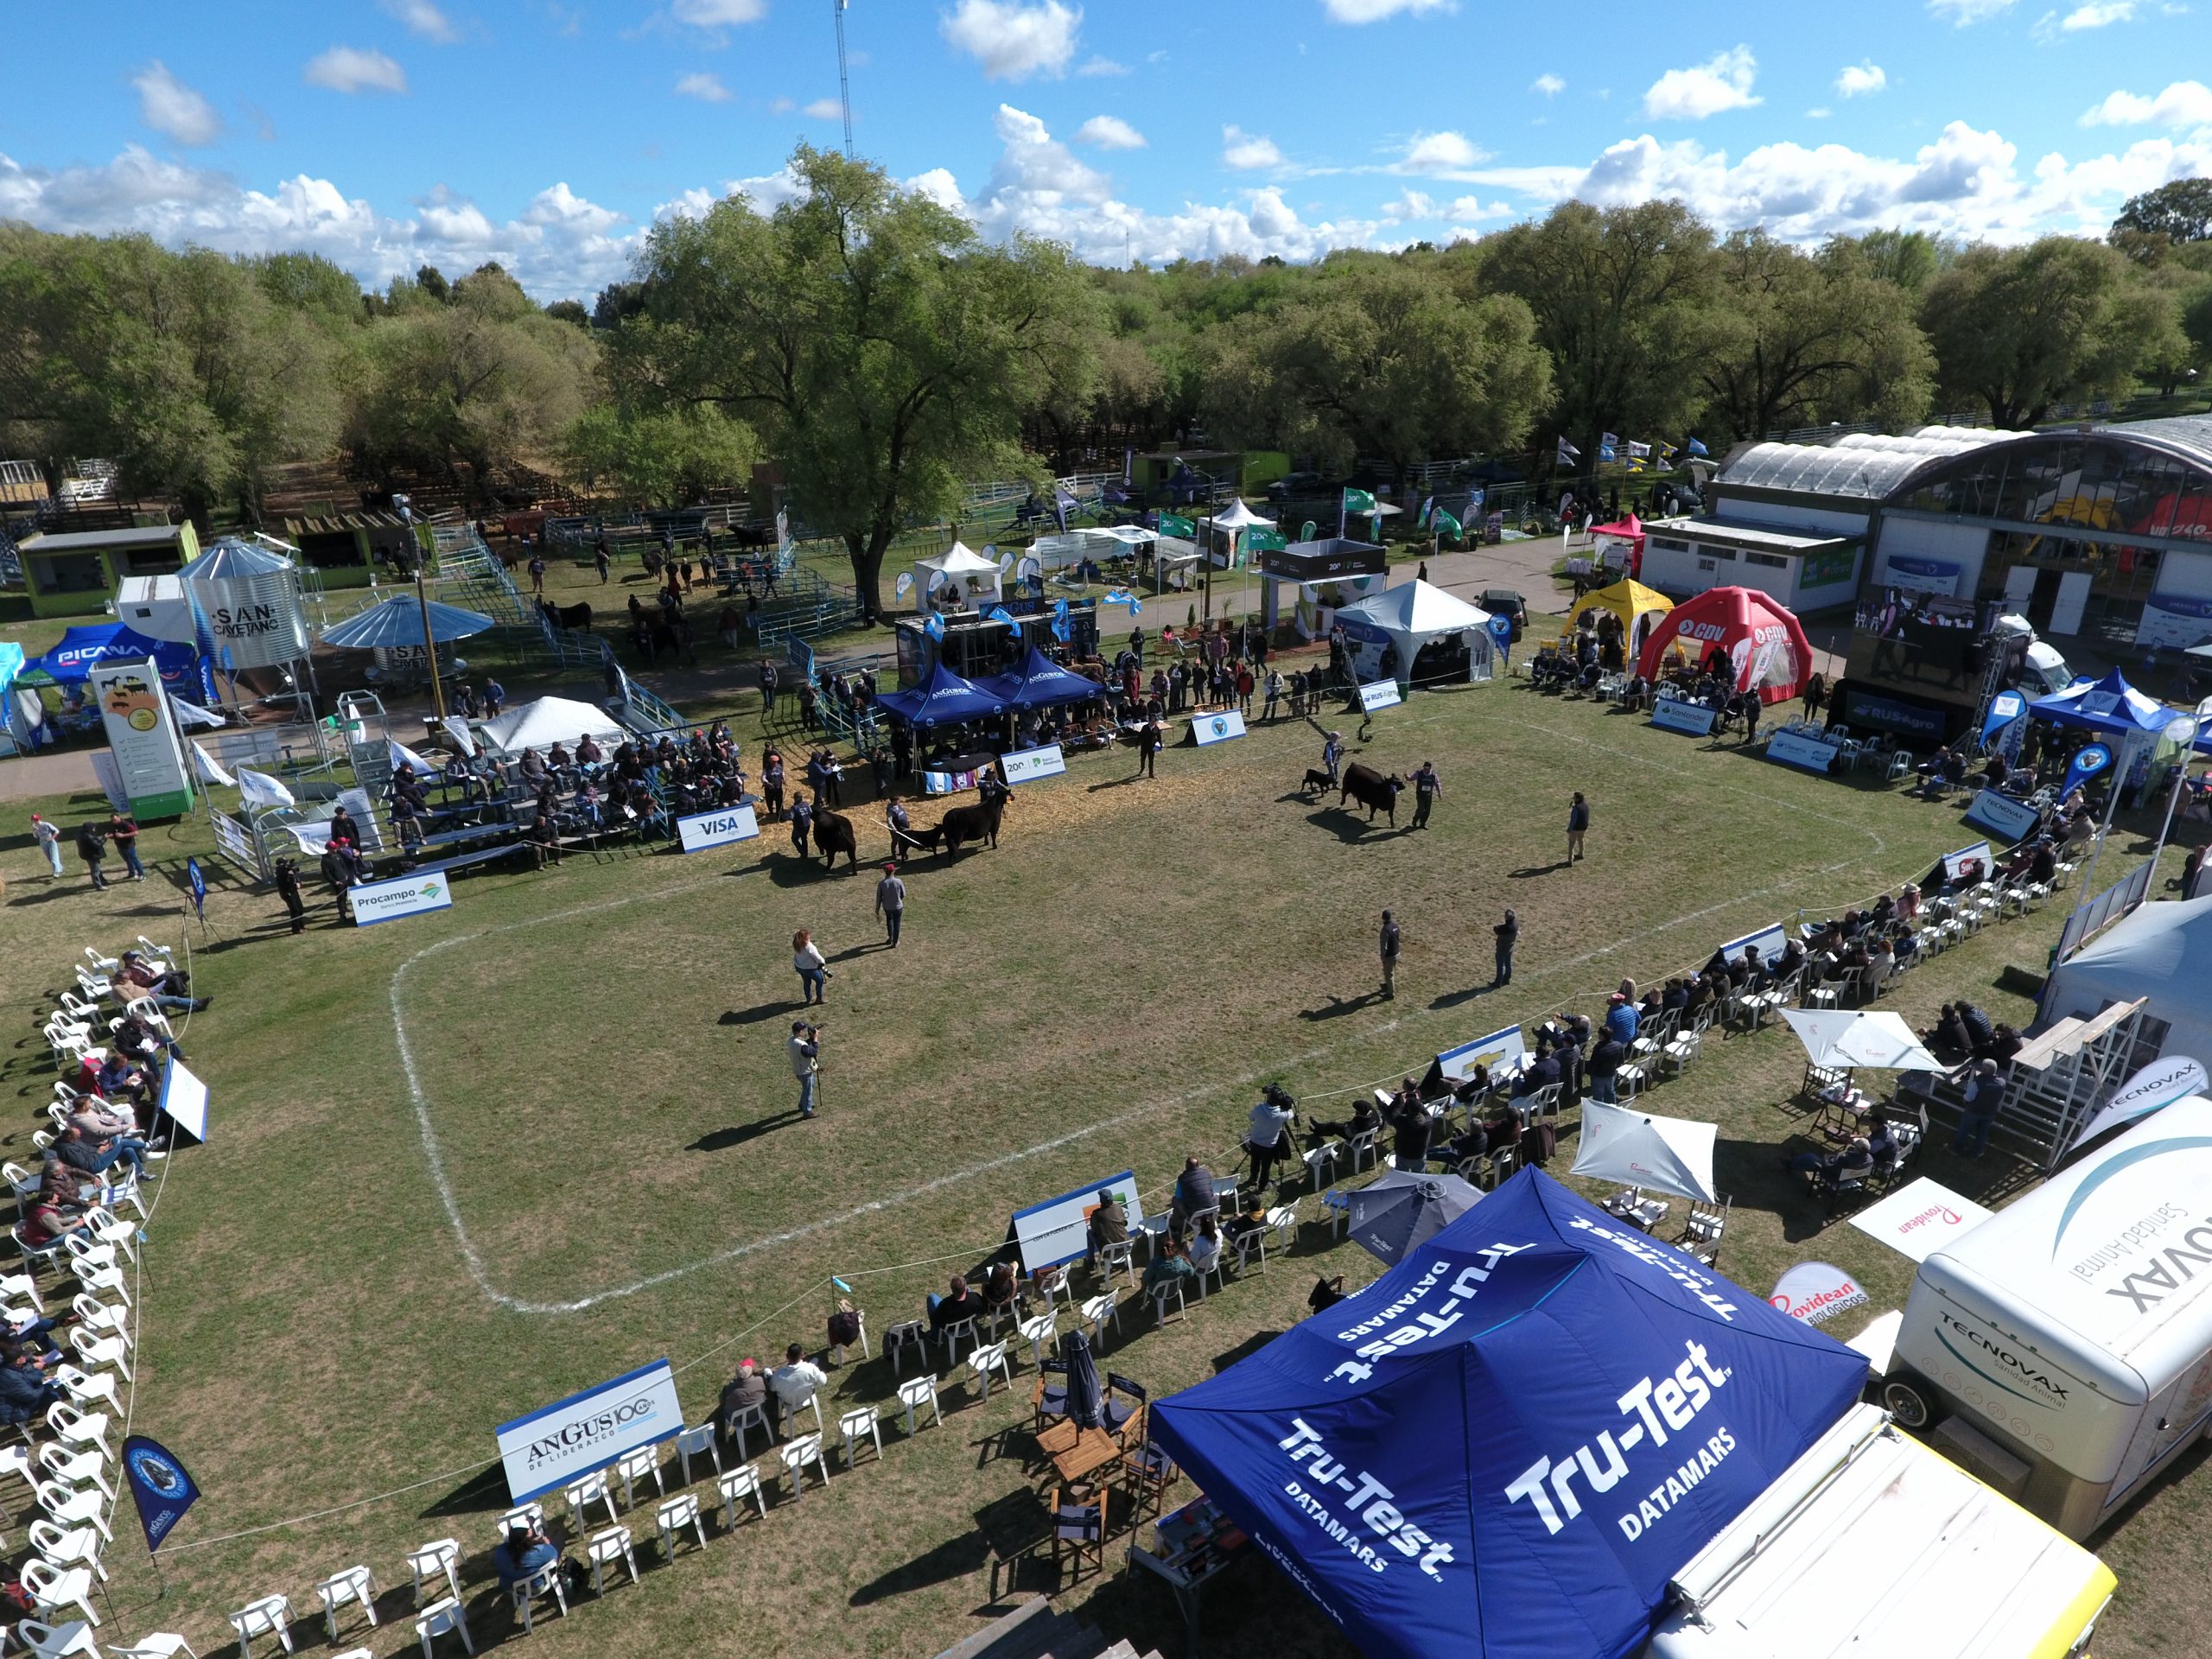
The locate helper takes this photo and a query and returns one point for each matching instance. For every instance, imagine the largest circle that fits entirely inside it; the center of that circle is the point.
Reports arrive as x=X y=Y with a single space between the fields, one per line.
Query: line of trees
x=864 y=340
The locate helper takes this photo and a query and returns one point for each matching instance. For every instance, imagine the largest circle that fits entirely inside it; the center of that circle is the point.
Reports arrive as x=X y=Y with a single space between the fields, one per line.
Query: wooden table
x=1059 y=1438
x=1093 y=1450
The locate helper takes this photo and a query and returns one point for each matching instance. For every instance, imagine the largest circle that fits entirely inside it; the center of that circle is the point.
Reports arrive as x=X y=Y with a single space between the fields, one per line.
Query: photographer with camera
x=1268 y=1140
x=804 y=1050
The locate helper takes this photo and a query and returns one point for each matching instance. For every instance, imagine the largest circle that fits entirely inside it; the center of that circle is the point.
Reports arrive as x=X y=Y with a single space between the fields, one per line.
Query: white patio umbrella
x=1840 y=1038
x=1661 y=1154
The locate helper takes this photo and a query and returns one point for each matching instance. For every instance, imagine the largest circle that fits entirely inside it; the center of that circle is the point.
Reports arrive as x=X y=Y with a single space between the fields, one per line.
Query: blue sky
x=547 y=135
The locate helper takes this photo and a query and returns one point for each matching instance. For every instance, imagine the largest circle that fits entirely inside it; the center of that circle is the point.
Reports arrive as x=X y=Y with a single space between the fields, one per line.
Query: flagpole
x=2181 y=777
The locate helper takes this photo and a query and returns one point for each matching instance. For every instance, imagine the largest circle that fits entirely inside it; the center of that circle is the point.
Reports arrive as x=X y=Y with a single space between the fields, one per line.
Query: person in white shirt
x=795 y=1381
x=1205 y=1247
x=1269 y=1136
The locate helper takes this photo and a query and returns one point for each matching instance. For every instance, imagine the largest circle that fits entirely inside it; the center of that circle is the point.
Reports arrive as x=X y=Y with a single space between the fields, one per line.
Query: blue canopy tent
x=1040 y=682
x=1506 y=1444
x=944 y=699
x=2110 y=705
x=182 y=669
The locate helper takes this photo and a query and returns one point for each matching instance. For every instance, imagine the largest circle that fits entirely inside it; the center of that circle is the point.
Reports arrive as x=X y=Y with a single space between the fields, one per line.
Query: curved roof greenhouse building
x=2102 y=537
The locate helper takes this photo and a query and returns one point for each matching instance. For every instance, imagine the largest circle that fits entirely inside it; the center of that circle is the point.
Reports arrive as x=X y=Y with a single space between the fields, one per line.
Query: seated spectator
x=50 y=1221
x=958 y=1303
x=117 y=1079
x=96 y=1156
x=747 y=1391
x=139 y=977
x=1882 y=1143
x=1949 y=1032
x=1855 y=1162
x=999 y=1288
x=1622 y=1019
x=1109 y=1224
x=795 y=1381
x=1169 y=1265
x=1193 y=1192
x=525 y=1550
x=1254 y=1220
x=2003 y=1046
x=1206 y=1246
x=25 y=1389
x=1981 y=1035
x=1363 y=1117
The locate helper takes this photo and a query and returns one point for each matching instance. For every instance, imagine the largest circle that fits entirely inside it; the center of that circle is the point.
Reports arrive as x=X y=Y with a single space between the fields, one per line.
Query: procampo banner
x=159 y=1485
x=553 y=1446
x=1815 y=1291
x=408 y=895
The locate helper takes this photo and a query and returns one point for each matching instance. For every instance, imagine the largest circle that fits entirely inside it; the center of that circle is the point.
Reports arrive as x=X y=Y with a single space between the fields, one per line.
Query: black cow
x=754 y=534
x=1316 y=781
x=978 y=823
x=1372 y=791
x=832 y=834
x=566 y=616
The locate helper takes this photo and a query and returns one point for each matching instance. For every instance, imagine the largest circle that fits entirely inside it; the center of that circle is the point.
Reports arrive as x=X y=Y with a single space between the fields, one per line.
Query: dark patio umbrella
x=1086 y=1400
x=1404 y=1209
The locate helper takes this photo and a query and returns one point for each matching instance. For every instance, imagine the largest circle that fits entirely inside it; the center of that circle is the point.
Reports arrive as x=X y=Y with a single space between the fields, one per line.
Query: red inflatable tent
x=1764 y=643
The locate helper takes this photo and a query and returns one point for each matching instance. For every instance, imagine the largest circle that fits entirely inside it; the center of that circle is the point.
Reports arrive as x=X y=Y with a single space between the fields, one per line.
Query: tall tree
x=1378 y=356
x=1797 y=339
x=662 y=457
x=2021 y=329
x=2179 y=212
x=883 y=352
x=1619 y=295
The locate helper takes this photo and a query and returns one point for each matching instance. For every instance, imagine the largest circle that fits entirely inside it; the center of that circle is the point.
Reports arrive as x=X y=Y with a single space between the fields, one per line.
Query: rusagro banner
x=571 y=1438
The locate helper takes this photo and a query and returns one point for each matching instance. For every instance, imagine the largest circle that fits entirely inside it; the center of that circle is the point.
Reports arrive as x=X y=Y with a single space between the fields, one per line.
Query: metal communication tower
x=844 y=84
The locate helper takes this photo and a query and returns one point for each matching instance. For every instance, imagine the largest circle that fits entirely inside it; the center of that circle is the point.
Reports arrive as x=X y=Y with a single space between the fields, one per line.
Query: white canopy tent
x=958 y=571
x=541 y=724
x=1836 y=1039
x=1234 y=522
x=1416 y=617
x=2162 y=951
x=1661 y=1154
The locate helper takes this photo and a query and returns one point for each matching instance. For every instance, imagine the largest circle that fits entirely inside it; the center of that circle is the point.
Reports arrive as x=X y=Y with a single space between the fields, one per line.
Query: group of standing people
x=93 y=839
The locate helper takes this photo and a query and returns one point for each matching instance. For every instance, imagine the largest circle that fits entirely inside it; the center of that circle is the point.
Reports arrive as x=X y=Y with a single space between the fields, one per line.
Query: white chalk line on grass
x=473 y=1259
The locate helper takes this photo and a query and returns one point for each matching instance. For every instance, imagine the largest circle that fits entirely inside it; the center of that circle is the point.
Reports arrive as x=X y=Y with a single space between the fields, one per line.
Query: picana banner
x=1172 y=524
x=159 y=1485
x=2089 y=761
x=2004 y=708
x=1816 y=1292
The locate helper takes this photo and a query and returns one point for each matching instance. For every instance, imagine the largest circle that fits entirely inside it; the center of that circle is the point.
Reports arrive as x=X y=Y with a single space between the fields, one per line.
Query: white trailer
x=1870 y=1544
x=2062 y=1350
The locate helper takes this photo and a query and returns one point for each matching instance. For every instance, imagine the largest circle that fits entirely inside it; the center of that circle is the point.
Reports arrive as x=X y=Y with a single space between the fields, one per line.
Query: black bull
x=1372 y=791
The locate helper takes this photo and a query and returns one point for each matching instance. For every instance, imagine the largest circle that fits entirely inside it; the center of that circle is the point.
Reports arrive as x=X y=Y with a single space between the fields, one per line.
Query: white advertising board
x=2002 y=814
x=1058 y=1230
x=184 y=1097
x=718 y=829
x=1796 y=749
x=1502 y=1050
x=1673 y=714
x=1217 y=728
x=556 y=1444
x=406 y=895
x=142 y=735
x=1027 y=766
x=1919 y=1220
x=1379 y=693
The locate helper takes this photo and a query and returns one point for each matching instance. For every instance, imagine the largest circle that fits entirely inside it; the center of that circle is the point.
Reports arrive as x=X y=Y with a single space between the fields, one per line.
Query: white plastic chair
x=915 y=1391
x=1161 y=1293
x=603 y=1549
x=77 y=1468
x=432 y=1561
x=269 y=1616
x=101 y=965
x=744 y=1481
x=73 y=1506
x=524 y=1593
x=57 y=1641
x=61 y=1547
x=442 y=1617
x=102 y=1319
x=856 y=1423
x=753 y=1416
x=84 y=1387
x=354 y=1584
x=592 y=1489
x=672 y=1516
x=77 y=1428
x=640 y=1465
x=111 y=1229
x=1040 y=1329
x=102 y=1350
x=1122 y=1256
x=799 y=1450
x=1098 y=1311
x=161 y=1645
x=982 y=1361
x=1245 y=1244
x=88 y=1252
x=107 y=1277
x=692 y=1442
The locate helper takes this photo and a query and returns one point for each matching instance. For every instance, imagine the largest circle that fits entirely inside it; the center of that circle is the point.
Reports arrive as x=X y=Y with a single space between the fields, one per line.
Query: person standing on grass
x=802 y=822
x=495 y=698
x=122 y=830
x=1387 y=943
x=1333 y=754
x=49 y=841
x=767 y=688
x=92 y=847
x=1751 y=707
x=891 y=902
x=1508 y=935
x=1427 y=787
x=813 y=968
x=538 y=573
x=1148 y=747
x=600 y=562
x=804 y=1050
x=287 y=889
x=1816 y=691
x=1577 y=826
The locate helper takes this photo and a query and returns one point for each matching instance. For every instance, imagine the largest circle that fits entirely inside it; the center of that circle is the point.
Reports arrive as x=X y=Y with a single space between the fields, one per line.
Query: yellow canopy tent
x=1636 y=605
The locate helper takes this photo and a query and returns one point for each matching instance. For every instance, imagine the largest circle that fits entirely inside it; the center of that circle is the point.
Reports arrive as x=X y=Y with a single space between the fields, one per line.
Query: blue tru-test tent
x=1506 y=1444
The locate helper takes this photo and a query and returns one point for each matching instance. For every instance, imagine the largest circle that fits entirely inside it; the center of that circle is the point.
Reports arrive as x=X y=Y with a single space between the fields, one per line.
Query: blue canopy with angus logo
x=1506 y=1444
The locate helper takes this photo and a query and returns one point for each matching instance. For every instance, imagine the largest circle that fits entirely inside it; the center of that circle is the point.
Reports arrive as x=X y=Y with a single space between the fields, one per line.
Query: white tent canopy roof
x=1881 y=1042
x=2163 y=952
x=1661 y=1154
x=959 y=561
x=1418 y=608
x=549 y=721
x=1239 y=517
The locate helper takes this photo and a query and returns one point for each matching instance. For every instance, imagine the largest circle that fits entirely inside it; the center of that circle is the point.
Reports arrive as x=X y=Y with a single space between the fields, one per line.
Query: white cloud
x=1440 y=153
x=2098 y=14
x=718 y=14
x=1109 y=132
x=1373 y=11
x=173 y=109
x=1962 y=12
x=1819 y=112
x=560 y=209
x=1102 y=66
x=424 y=18
x=1413 y=204
x=1723 y=82
x=824 y=109
x=1013 y=42
x=707 y=89
x=940 y=187
x=1548 y=84
x=2184 y=104
x=1861 y=80
x=355 y=69
x=1247 y=151
x=456 y=220
x=781 y=106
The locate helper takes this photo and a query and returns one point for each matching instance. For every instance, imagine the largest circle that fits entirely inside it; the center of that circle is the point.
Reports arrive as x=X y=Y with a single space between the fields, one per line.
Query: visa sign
x=720 y=828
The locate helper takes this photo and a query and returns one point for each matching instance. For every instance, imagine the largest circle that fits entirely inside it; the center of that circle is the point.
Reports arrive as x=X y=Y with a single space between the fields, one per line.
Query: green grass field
x=463 y=1164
